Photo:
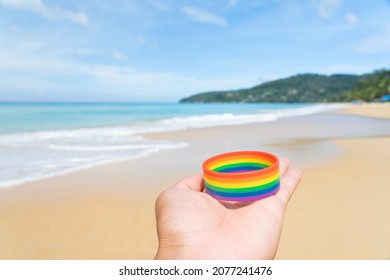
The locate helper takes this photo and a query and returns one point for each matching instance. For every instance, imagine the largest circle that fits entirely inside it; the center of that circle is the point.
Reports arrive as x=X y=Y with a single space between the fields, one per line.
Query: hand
x=193 y=225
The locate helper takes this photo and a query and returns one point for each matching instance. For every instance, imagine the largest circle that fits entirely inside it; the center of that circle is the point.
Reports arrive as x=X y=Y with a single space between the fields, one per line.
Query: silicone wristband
x=242 y=176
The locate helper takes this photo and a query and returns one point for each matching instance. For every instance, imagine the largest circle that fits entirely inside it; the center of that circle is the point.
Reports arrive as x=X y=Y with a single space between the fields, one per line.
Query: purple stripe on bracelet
x=245 y=199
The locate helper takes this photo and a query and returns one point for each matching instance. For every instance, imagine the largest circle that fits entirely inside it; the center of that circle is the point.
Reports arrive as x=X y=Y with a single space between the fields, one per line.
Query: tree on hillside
x=372 y=86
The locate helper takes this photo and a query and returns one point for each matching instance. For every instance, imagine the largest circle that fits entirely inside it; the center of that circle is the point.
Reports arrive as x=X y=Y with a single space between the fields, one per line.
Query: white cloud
x=52 y=13
x=232 y=3
x=157 y=83
x=38 y=63
x=78 y=52
x=205 y=16
x=351 y=18
x=144 y=41
x=31 y=45
x=118 y=55
x=125 y=76
x=325 y=8
x=159 y=6
x=37 y=72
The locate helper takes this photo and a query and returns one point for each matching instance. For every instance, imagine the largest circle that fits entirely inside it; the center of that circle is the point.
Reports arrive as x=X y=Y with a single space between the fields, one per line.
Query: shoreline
x=365 y=110
x=168 y=125
x=107 y=212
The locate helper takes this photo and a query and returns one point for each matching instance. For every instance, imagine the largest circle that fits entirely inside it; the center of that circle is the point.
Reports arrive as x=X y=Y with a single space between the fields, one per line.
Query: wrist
x=174 y=253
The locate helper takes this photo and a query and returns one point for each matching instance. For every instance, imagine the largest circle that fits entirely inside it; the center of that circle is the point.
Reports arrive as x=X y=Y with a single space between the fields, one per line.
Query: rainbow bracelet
x=241 y=176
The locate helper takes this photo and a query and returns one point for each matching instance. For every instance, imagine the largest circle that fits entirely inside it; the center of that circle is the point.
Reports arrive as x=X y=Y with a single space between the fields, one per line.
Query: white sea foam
x=210 y=120
x=36 y=155
x=29 y=168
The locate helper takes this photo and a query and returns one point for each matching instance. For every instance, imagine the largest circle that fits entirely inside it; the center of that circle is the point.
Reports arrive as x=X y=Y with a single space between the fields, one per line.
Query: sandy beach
x=340 y=210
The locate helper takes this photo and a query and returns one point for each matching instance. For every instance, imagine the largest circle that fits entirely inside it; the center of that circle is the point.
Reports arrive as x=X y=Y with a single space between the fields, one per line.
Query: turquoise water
x=39 y=140
x=28 y=117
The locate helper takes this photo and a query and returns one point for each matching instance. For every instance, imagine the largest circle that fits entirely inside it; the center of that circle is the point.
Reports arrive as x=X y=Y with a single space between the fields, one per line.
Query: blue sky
x=162 y=50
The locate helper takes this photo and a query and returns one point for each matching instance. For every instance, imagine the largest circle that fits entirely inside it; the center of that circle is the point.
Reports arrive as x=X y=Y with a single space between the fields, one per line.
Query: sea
x=40 y=140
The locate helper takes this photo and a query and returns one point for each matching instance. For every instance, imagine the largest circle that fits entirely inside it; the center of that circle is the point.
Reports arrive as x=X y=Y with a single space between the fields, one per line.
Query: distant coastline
x=306 y=88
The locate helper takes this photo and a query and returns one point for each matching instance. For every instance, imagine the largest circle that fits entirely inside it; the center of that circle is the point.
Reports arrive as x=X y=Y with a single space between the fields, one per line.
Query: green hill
x=302 y=88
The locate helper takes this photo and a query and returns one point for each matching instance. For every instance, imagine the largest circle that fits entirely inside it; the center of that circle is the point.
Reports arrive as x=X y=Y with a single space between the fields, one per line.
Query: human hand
x=193 y=225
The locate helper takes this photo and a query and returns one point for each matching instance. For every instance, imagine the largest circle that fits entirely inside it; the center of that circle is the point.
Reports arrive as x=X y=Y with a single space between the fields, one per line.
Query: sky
x=163 y=50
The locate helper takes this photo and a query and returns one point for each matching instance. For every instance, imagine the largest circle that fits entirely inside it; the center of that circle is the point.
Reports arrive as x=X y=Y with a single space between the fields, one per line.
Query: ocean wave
x=108 y=148
x=210 y=120
x=23 y=172
x=30 y=156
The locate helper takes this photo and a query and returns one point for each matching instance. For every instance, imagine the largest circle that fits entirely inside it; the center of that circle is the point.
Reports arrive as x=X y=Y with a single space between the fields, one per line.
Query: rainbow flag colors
x=241 y=176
